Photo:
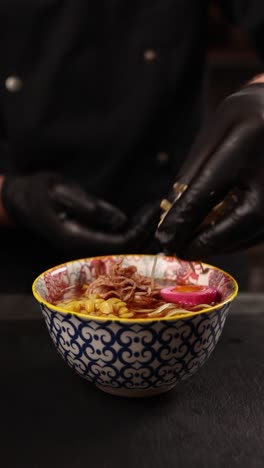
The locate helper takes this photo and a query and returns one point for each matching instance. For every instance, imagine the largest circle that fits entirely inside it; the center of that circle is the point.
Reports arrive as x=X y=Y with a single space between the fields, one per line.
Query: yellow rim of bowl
x=131 y=320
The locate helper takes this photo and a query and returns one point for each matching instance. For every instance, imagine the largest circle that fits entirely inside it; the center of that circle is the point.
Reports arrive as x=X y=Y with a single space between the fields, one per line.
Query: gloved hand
x=63 y=214
x=227 y=158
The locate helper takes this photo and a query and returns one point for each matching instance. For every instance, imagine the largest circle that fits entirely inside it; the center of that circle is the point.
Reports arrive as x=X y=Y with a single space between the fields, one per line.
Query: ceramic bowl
x=134 y=357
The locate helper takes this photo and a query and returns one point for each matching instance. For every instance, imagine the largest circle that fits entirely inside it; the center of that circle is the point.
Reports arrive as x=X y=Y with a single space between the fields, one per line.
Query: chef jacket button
x=13 y=84
x=162 y=158
x=150 y=55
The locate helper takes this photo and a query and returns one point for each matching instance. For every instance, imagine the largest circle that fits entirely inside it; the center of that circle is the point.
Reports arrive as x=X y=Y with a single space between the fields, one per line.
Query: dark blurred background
x=232 y=62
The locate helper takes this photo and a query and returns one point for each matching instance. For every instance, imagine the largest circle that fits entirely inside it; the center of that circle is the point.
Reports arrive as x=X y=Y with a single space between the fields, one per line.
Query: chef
x=99 y=106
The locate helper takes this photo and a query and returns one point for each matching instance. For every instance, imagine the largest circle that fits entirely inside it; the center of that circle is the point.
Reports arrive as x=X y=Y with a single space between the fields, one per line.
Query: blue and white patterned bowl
x=129 y=357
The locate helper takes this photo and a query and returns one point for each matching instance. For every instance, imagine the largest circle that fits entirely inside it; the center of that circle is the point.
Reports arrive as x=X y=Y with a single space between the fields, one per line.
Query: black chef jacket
x=108 y=92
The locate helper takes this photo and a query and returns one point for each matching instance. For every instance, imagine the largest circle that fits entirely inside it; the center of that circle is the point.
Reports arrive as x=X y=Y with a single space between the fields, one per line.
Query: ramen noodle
x=123 y=293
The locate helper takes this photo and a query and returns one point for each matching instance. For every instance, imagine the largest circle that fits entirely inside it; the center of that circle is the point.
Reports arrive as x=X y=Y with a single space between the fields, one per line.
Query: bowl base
x=134 y=393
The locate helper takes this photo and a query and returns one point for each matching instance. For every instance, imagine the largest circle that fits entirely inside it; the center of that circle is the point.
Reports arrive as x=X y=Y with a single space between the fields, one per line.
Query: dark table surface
x=51 y=418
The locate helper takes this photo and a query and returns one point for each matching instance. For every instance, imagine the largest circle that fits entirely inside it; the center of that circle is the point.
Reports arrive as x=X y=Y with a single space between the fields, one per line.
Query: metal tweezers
x=166 y=205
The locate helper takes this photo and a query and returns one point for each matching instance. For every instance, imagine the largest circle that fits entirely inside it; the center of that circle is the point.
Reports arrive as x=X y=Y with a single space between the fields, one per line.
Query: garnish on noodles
x=124 y=293
x=190 y=295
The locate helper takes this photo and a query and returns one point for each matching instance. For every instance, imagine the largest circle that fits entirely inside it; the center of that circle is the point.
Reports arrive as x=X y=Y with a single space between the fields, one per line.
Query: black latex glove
x=228 y=157
x=63 y=214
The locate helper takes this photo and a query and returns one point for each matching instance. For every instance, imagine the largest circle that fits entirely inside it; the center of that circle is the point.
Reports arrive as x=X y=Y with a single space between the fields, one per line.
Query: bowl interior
x=49 y=286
